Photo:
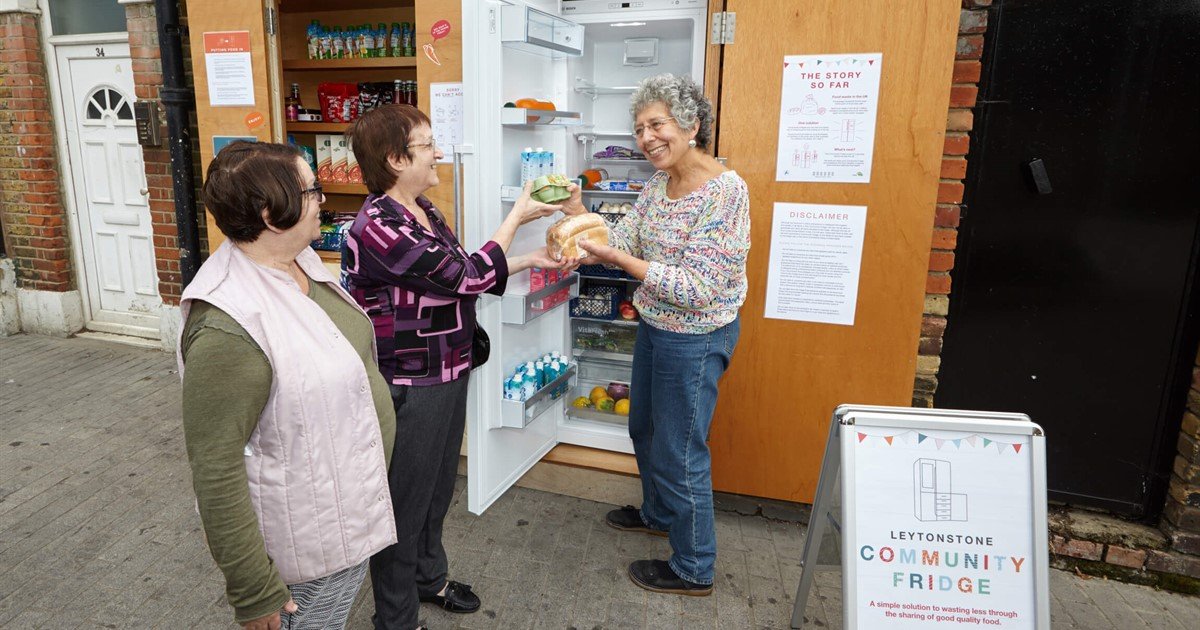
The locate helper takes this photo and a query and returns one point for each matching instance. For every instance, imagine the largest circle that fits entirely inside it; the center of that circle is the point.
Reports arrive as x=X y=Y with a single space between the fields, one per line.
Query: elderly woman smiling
x=686 y=239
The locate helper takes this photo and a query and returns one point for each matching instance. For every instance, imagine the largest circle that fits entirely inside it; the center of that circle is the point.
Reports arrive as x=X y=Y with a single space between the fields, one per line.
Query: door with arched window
x=111 y=202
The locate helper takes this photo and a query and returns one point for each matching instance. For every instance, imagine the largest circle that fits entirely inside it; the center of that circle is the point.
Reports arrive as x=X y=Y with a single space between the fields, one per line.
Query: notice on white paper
x=827 y=118
x=942 y=529
x=446 y=114
x=227 y=66
x=816 y=252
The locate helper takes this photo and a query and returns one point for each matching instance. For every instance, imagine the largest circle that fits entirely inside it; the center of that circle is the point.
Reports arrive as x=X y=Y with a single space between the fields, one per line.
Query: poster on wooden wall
x=827 y=118
x=227 y=66
x=813 y=269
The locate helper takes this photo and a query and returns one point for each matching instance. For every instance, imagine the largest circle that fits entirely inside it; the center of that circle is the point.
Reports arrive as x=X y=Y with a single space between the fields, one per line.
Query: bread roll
x=562 y=237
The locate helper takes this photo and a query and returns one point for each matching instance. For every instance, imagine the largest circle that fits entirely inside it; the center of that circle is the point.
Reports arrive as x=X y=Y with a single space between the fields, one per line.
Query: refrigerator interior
x=527 y=55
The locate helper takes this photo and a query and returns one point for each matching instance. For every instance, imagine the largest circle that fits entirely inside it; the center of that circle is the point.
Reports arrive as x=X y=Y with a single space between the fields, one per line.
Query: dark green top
x=226 y=384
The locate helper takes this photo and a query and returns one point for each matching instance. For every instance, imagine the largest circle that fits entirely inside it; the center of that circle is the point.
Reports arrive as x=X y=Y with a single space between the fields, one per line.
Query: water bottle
x=529 y=386
x=527 y=165
x=539 y=162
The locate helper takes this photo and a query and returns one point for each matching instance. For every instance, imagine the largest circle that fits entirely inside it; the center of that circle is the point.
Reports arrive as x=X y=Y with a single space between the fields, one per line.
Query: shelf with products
x=344 y=189
x=634 y=163
x=612 y=193
x=518 y=414
x=523 y=117
x=520 y=309
x=329 y=256
x=367 y=63
x=293 y=126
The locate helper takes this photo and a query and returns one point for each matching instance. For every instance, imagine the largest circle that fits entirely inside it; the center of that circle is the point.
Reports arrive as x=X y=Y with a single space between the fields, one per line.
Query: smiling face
x=418 y=172
x=660 y=137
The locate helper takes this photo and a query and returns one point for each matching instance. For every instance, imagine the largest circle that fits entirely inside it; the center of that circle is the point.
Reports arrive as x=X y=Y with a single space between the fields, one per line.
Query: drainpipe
x=177 y=100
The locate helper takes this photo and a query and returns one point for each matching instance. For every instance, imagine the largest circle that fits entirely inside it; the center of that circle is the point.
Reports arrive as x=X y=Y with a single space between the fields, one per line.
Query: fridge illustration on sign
x=546 y=93
x=932 y=496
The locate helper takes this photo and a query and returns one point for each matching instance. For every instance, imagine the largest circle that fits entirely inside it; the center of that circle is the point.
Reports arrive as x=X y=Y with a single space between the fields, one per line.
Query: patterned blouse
x=419 y=289
x=696 y=246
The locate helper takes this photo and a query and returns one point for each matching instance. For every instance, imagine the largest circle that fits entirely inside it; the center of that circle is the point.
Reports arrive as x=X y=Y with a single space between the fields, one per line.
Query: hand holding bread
x=562 y=238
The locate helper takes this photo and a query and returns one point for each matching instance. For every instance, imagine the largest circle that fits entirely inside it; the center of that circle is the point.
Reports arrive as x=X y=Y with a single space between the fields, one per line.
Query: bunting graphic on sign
x=917 y=438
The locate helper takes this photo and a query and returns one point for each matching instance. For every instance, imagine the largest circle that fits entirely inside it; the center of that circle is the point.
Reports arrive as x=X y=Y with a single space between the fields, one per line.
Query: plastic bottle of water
x=528 y=166
x=539 y=161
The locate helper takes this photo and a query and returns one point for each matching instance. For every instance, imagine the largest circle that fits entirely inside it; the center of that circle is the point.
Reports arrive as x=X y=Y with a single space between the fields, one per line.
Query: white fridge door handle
x=458 y=151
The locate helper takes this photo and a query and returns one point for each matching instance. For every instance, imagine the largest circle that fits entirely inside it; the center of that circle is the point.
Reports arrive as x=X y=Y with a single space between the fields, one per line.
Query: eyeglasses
x=655 y=125
x=432 y=144
x=316 y=190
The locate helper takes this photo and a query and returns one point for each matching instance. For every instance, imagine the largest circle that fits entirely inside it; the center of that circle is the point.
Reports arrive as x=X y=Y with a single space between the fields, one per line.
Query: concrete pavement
x=97 y=528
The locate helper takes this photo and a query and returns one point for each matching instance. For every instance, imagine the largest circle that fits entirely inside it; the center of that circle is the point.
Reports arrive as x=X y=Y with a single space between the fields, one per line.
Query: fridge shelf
x=581 y=354
x=522 y=117
x=614 y=322
x=619 y=162
x=518 y=414
x=593 y=90
x=613 y=193
x=529 y=30
x=590 y=413
x=316 y=127
x=522 y=309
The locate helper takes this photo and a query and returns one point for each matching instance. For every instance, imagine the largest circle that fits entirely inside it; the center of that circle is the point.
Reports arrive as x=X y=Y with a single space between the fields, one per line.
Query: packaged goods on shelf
x=353 y=170
x=339 y=101
x=338 y=169
x=530 y=377
x=324 y=158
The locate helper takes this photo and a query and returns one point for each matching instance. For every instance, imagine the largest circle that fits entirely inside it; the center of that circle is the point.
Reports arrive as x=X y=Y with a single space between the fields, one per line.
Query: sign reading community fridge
x=940 y=520
x=813 y=269
x=827 y=118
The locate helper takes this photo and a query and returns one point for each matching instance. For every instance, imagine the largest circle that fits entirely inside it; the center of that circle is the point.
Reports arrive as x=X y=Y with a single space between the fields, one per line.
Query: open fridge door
x=513 y=51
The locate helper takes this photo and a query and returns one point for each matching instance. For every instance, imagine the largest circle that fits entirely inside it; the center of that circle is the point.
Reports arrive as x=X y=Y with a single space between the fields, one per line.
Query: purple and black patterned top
x=419 y=289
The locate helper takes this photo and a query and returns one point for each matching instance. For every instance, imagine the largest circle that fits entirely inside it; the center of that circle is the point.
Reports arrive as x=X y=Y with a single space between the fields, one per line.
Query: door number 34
x=99 y=51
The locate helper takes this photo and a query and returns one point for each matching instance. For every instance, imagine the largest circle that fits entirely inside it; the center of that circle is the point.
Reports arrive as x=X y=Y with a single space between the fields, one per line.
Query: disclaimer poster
x=827 y=118
x=446 y=115
x=812 y=272
x=942 y=532
x=227 y=66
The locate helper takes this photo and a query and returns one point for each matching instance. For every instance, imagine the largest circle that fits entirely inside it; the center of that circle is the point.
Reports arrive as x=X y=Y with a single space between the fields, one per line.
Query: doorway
x=1075 y=299
x=119 y=277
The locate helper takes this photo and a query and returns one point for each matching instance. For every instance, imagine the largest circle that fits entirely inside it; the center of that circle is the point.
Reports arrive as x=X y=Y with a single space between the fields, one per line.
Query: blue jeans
x=672 y=397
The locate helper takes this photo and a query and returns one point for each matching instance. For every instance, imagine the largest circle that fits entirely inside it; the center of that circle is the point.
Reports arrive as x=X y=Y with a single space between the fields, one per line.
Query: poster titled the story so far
x=943 y=537
x=827 y=118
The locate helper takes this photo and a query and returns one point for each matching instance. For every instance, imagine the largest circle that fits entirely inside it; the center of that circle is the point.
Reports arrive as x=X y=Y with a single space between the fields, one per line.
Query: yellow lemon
x=582 y=402
x=622 y=407
x=597 y=394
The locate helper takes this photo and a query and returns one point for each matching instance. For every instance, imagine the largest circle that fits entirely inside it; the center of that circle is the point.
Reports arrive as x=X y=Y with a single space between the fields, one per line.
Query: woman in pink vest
x=288 y=422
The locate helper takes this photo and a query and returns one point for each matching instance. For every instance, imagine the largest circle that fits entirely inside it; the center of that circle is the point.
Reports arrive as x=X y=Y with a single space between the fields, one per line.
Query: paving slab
x=96 y=510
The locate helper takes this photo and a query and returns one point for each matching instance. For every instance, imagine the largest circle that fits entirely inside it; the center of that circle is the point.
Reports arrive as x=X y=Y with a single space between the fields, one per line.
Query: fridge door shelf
x=527 y=29
x=593 y=90
x=523 y=117
x=521 y=309
x=613 y=193
x=517 y=414
x=637 y=163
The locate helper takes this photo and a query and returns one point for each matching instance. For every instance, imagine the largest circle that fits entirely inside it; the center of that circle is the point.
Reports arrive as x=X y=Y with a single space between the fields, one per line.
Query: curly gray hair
x=683 y=96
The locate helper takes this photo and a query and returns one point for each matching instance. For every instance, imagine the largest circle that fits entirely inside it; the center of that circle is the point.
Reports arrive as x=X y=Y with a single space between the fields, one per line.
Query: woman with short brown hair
x=404 y=265
x=287 y=420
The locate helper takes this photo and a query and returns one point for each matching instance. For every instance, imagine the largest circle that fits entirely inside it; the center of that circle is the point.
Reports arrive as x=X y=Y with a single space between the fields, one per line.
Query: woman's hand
x=526 y=209
x=271 y=621
x=540 y=257
x=599 y=252
x=574 y=205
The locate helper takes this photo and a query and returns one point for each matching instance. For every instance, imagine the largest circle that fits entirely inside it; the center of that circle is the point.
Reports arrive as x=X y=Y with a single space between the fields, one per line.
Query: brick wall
x=147 y=79
x=1181 y=515
x=31 y=208
x=967 y=67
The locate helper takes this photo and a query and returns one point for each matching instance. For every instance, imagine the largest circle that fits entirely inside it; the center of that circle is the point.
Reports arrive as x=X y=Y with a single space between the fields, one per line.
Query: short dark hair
x=379 y=134
x=246 y=177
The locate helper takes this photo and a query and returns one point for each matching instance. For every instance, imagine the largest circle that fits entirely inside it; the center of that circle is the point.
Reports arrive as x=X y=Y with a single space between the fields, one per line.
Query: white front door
x=111 y=205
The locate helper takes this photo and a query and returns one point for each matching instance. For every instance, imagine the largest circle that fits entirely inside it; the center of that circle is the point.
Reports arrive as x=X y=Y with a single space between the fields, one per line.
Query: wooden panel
x=448 y=51
x=712 y=67
x=592 y=458
x=228 y=15
x=787 y=377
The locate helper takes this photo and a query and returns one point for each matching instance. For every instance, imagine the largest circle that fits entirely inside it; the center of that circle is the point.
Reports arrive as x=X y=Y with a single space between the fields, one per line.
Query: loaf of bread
x=562 y=237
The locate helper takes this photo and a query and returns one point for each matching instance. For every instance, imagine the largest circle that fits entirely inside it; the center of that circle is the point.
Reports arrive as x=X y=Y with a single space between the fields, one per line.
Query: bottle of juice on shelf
x=397 y=92
x=326 y=51
x=351 y=42
x=394 y=41
x=291 y=104
x=339 y=43
x=313 y=34
x=407 y=38
x=381 y=40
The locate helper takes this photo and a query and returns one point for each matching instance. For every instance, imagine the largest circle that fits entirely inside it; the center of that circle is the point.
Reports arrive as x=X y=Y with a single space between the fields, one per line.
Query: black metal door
x=1074 y=295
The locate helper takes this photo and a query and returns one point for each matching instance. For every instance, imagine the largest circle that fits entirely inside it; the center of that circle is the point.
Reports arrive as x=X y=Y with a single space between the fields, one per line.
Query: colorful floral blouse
x=696 y=246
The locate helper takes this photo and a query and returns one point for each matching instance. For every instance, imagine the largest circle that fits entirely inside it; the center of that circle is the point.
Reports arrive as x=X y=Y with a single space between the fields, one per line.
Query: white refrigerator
x=584 y=56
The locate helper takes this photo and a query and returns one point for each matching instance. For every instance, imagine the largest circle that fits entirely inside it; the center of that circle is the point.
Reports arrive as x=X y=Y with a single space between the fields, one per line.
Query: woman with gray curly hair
x=686 y=239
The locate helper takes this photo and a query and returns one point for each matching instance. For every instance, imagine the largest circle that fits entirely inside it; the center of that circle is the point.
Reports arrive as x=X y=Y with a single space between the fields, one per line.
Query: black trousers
x=429 y=433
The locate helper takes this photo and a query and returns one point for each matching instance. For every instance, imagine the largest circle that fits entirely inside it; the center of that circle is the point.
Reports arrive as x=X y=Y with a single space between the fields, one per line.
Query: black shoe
x=458 y=598
x=657 y=576
x=629 y=519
